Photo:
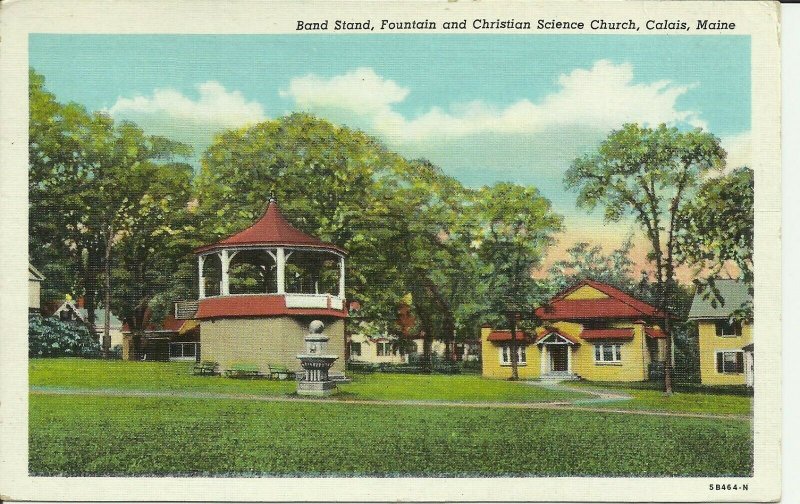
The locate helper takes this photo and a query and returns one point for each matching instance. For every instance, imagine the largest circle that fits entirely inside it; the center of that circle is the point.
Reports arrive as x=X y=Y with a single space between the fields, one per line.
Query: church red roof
x=257 y=305
x=272 y=229
x=618 y=304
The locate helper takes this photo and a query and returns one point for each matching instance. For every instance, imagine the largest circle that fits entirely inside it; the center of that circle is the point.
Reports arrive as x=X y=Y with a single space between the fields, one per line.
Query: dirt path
x=575 y=405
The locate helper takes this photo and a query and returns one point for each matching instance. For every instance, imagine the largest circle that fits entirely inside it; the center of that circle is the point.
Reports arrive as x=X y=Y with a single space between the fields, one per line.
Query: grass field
x=685 y=402
x=166 y=376
x=85 y=435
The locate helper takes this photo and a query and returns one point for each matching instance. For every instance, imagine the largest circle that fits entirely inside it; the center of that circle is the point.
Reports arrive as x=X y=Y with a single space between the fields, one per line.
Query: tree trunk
x=668 y=332
x=90 y=287
x=106 y=350
x=514 y=370
x=426 y=353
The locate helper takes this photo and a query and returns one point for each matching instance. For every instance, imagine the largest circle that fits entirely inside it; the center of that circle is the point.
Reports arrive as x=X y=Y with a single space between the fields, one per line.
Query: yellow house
x=725 y=345
x=591 y=330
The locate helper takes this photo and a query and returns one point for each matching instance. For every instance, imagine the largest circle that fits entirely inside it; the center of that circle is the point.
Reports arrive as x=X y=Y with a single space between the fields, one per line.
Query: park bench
x=243 y=371
x=281 y=373
x=205 y=368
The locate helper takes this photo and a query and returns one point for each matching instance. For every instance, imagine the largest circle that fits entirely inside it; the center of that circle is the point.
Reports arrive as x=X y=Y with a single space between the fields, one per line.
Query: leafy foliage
x=50 y=337
x=717 y=230
x=96 y=186
x=717 y=226
x=652 y=175
x=587 y=261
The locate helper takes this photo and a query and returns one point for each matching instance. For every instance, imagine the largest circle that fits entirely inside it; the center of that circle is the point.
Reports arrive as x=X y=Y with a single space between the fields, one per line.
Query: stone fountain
x=315 y=380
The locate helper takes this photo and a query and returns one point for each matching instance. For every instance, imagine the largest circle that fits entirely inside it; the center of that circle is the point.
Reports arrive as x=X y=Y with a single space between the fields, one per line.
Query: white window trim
x=388 y=351
x=522 y=355
x=183 y=357
x=723 y=372
x=616 y=354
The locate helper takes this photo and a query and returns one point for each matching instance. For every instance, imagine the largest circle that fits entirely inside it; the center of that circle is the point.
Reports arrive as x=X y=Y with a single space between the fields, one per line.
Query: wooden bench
x=244 y=371
x=205 y=368
x=281 y=373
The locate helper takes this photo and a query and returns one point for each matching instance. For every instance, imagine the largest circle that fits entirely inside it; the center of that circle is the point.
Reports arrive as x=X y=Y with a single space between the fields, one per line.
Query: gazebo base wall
x=265 y=341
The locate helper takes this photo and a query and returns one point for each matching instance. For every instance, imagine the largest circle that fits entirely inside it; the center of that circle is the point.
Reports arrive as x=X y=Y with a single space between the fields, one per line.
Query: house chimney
x=81 y=302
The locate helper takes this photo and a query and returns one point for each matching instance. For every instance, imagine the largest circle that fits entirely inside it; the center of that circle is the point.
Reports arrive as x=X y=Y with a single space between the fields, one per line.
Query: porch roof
x=552 y=330
x=655 y=332
x=506 y=336
x=601 y=334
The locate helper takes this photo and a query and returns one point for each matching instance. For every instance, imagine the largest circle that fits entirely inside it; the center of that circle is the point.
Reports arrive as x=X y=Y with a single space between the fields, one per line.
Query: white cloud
x=361 y=91
x=602 y=97
x=170 y=113
x=739 y=150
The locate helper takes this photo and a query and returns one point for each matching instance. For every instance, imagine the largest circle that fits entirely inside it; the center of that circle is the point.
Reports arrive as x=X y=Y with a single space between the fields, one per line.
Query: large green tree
x=584 y=260
x=400 y=220
x=517 y=225
x=650 y=174
x=96 y=185
x=59 y=179
x=717 y=229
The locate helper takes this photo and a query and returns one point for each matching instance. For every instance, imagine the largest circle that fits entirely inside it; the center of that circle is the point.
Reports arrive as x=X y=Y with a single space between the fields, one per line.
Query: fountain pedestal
x=315 y=363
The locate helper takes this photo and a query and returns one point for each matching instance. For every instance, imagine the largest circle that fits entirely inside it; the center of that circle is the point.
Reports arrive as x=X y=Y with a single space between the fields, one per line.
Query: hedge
x=51 y=337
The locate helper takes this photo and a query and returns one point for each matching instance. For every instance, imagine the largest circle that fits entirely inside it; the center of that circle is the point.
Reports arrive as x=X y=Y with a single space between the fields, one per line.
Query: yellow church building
x=591 y=330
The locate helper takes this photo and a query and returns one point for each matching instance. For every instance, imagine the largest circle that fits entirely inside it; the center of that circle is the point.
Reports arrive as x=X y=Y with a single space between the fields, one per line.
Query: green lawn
x=687 y=402
x=84 y=435
x=150 y=376
x=466 y=388
x=161 y=376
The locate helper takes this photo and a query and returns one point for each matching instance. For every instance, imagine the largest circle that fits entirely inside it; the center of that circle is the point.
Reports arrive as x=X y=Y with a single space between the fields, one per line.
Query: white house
x=69 y=310
x=35 y=279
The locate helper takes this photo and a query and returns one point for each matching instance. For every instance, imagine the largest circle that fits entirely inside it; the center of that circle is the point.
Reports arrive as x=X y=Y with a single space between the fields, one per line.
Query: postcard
x=390 y=251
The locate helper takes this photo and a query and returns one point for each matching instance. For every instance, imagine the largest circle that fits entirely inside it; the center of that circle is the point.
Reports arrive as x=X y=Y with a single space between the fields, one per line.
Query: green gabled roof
x=734 y=294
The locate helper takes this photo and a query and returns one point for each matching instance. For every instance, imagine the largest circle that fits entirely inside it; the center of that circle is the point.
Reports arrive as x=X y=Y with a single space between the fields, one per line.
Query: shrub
x=50 y=337
x=361 y=367
x=116 y=352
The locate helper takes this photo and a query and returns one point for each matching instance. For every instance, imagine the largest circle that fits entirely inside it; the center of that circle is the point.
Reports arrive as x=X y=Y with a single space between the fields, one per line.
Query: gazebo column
x=201 y=286
x=225 y=260
x=280 y=261
x=341 y=277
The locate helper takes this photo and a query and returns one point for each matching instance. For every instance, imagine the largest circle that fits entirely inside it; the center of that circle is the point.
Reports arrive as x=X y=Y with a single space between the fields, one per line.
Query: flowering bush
x=50 y=337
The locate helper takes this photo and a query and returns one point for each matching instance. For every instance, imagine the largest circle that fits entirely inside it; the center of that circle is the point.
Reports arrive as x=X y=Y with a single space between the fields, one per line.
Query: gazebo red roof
x=618 y=304
x=271 y=230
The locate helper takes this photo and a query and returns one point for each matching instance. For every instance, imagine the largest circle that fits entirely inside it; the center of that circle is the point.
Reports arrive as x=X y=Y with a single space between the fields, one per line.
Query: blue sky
x=484 y=108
